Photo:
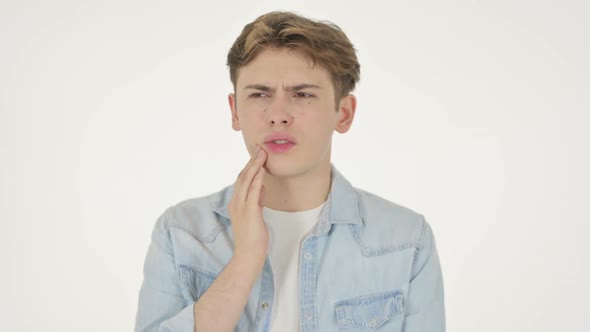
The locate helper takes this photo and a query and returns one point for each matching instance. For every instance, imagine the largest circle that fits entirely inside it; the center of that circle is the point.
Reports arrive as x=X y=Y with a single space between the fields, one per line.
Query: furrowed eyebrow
x=259 y=87
x=302 y=87
x=298 y=87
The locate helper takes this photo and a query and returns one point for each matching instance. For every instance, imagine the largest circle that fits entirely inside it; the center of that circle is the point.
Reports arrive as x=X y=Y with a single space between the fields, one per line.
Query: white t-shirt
x=286 y=231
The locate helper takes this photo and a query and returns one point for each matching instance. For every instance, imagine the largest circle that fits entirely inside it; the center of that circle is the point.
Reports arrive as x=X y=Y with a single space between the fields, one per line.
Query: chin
x=286 y=169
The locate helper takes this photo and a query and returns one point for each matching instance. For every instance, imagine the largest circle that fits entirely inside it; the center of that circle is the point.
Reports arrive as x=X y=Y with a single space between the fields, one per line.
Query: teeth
x=280 y=141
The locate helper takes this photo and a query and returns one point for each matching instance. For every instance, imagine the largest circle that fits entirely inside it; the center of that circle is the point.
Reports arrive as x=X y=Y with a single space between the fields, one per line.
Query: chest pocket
x=194 y=282
x=374 y=311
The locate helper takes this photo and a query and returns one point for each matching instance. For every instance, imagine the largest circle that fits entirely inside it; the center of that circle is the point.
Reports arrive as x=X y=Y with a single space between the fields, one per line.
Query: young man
x=291 y=245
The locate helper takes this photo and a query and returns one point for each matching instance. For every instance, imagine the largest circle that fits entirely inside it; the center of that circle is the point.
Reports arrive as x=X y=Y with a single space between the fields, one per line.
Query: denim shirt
x=368 y=264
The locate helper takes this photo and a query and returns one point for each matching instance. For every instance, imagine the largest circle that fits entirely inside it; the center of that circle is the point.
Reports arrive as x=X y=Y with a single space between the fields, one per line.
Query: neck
x=297 y=193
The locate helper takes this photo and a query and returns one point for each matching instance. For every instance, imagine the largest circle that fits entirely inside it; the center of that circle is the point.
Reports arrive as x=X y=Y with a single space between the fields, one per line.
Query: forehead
x=282 y=65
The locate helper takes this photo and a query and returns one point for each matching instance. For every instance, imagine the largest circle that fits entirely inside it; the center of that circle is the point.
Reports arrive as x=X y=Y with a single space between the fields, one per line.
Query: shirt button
x=307 y=256
x=308 y=316
x=264 y=305
x=373 y=322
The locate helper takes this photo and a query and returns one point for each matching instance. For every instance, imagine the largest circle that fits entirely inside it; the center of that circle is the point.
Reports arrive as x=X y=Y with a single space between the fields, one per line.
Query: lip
x=281 y=136
x=279 y=148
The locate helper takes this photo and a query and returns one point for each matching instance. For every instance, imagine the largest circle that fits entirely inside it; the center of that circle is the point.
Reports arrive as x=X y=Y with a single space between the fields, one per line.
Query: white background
x=474 y=113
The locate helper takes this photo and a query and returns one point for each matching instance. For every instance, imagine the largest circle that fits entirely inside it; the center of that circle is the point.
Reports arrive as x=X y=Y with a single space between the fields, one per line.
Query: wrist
x=248 y=260
x=245 y=256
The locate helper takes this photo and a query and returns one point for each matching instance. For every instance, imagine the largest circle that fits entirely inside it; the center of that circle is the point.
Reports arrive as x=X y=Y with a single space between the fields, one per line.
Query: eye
x=303 y=95
x=257 y=95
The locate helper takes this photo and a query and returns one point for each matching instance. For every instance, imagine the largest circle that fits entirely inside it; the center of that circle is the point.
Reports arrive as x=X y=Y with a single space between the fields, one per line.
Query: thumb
x=261 y=197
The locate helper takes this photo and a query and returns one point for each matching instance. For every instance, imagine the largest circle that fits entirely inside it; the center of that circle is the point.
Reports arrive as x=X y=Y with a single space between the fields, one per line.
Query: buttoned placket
x=307 y=285
x=266 y=299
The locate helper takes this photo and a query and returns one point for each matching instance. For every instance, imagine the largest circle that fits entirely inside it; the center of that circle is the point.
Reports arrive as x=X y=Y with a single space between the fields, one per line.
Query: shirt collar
x=341 y=206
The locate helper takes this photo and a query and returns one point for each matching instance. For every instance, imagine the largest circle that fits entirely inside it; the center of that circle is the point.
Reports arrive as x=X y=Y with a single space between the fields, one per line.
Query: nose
x=277 y=113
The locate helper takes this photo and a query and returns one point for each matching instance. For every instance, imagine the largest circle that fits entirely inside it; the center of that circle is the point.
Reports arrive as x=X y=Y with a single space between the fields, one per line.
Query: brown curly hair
x=323 y=42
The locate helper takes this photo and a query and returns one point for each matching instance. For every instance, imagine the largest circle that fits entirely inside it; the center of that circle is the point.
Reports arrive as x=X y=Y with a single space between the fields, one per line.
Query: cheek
x=251 y=115
x=255 y=104
x=250 y=125
x=320 y=129
x=321 y=117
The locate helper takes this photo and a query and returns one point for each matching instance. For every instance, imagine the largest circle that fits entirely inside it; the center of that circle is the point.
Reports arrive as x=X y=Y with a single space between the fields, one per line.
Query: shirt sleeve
x=161 y=306
x=425 y=309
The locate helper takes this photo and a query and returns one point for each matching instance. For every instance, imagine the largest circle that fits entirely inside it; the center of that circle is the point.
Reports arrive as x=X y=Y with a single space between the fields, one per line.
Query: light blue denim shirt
x=368 y=264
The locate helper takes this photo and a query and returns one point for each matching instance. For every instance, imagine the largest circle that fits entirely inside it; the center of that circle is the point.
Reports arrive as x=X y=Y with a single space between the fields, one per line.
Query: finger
x=262 y=194
x=250 y=161
x=245 y=181
x=242 y=174
x=254 y=193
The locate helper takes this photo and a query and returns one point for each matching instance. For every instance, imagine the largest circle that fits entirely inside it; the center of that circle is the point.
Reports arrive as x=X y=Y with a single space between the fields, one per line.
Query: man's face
x=281 y=93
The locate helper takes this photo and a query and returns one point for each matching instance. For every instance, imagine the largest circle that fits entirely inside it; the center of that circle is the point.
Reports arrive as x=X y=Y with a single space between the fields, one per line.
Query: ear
x=235 y=122
x=346 y=110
